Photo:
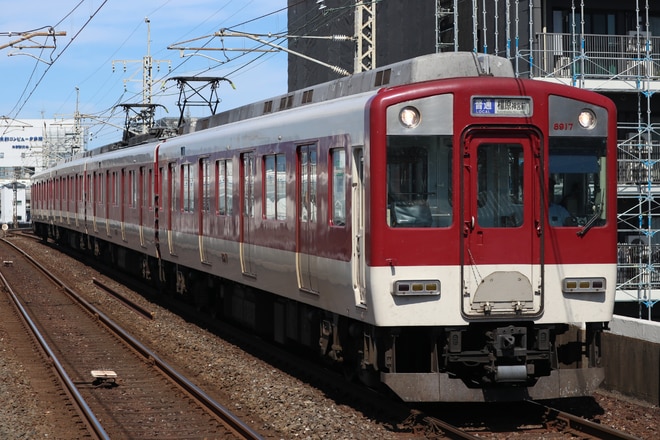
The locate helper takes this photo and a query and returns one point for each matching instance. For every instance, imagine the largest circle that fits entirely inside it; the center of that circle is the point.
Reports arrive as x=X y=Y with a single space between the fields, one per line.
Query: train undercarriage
x=481 y=361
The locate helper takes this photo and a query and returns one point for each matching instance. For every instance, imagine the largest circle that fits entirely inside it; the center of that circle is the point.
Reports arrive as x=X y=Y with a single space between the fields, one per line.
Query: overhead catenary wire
x=59 y=54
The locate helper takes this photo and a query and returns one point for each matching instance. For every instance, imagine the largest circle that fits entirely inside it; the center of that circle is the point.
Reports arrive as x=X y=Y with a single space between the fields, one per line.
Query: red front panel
x=516 y=229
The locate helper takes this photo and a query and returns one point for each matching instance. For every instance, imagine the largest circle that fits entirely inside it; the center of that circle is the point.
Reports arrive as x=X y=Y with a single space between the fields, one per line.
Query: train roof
x=422 y=68
x=418 y=69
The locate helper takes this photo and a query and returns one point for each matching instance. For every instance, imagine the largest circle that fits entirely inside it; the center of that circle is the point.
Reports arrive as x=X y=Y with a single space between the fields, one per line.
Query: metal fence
x=626 y=57
x=638 y=163
x=638 y=264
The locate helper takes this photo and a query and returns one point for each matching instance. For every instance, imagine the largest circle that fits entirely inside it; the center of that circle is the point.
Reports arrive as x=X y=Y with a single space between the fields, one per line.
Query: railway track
x=120 y=387
x=421 y=424
x=522 y=420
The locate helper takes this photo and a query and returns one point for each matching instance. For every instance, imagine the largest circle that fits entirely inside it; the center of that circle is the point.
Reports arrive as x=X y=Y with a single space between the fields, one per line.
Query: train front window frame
x=419 y=181
x=577 y=181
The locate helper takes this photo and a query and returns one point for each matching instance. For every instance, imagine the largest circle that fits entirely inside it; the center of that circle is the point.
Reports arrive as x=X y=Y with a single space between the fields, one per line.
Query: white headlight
x=587 y=119
x=410 y=117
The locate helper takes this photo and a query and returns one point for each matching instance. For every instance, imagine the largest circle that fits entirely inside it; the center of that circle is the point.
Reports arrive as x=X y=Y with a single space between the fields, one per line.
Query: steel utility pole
x=147 y=73
x=365 y=35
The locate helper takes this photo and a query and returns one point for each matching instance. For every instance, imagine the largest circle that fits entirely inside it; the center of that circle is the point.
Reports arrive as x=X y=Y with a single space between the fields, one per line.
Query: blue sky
x=100 y=32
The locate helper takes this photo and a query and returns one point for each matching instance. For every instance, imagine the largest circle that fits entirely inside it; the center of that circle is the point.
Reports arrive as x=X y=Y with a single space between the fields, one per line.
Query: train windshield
x=419 y=170
x=577 y=182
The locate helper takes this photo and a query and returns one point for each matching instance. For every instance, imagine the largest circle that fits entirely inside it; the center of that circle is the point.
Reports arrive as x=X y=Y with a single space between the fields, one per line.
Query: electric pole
x=147 y=77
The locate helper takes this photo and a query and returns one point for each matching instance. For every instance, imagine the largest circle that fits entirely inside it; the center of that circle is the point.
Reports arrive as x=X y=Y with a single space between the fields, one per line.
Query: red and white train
x=436 y=225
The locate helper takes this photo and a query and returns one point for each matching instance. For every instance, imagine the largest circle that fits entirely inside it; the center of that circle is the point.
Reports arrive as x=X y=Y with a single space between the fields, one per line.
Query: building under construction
x=609 y=46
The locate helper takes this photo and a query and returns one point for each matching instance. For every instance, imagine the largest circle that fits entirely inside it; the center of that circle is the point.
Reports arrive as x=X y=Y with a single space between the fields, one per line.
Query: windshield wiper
x=589 y=224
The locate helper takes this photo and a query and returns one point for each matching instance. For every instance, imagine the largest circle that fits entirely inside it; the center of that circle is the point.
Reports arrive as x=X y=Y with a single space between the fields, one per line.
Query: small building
x=13 y=195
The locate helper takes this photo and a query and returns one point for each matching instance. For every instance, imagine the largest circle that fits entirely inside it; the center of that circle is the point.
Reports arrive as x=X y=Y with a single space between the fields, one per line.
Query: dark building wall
x=304 y=18
x=404 y=29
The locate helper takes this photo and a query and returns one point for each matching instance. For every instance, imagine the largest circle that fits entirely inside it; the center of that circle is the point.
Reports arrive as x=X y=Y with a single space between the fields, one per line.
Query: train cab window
x=275 y=186
x=338 y=182
x=500 y=185
x=577 y=182
x=419 y=176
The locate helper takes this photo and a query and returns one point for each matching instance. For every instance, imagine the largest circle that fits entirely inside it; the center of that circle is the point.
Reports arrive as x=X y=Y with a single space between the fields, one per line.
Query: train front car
x=490 y=255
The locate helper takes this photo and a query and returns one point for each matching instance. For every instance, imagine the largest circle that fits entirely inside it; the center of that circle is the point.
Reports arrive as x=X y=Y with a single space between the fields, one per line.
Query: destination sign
x=501 y=106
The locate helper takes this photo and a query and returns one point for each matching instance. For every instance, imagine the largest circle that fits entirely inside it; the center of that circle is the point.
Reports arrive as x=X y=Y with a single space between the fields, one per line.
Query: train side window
x=419 y=181
x=224 y=187
x=122 y=191
x=132 y=189
x=101 y=195
x=338 y=191
x=147 y=182
x=91 y=191
x=187 y=188
x=171 y=186
x=205 y=178
x=307 y=186
x=115 y=188
x=275 y=186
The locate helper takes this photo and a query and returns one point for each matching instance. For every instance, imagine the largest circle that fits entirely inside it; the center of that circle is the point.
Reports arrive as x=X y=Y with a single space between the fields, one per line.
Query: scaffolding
x=627 y=65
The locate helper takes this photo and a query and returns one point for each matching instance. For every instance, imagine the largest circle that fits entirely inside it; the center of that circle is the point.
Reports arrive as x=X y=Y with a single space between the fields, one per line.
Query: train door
x=357 y=202
x=247 y=247
x=501 y=252
x=307 y=218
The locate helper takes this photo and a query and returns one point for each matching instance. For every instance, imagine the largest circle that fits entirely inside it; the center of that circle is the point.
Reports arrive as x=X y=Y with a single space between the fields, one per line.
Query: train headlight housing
x=587 y=119
x=416 y=288
x=410 y=117
x=584 y=285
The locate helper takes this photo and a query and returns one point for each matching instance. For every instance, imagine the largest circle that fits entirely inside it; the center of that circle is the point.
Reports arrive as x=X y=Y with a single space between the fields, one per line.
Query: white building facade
x=27 y=146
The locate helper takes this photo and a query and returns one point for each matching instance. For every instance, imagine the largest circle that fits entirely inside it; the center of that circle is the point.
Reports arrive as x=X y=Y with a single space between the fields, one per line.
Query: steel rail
x=132 y=304
x=92 y=422
x=585 y=426
x=216 y=408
